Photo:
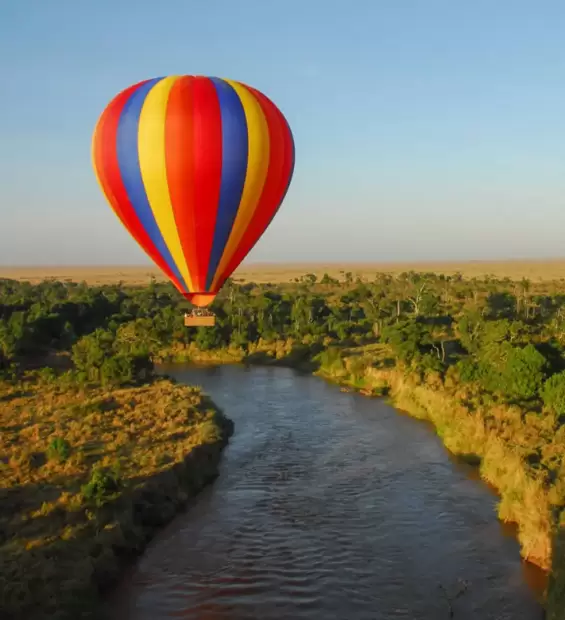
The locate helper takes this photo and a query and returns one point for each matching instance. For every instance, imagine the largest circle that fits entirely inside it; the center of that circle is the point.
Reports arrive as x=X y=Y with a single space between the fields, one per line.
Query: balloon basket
x=199 y=318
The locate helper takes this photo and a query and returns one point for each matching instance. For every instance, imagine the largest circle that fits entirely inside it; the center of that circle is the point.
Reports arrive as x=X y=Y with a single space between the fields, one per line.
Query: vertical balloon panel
x=195 y=168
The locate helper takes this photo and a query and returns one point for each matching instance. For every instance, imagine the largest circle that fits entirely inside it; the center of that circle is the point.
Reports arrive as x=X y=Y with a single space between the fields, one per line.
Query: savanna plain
x=286 y=272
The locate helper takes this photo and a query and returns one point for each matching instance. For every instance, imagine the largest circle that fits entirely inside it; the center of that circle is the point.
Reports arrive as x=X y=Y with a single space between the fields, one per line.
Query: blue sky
x=424 y=129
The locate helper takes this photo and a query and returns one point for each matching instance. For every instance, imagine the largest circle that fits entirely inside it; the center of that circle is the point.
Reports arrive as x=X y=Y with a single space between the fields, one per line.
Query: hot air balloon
x=195 y=168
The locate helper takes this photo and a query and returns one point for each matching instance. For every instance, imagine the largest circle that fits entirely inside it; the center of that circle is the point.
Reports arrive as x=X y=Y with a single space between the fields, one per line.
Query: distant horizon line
x=442 y=261
x=288 y=265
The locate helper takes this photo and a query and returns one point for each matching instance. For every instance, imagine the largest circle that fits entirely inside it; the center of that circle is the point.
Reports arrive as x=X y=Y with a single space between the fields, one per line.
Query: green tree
x=553 y=393
x=523 y=373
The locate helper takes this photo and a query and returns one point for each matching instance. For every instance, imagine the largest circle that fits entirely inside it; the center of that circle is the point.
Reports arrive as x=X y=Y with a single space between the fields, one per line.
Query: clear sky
x=424 y=129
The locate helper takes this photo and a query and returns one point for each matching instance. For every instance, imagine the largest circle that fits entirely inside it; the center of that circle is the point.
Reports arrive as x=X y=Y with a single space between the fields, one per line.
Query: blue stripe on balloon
x=128 y=161
x=234 y=169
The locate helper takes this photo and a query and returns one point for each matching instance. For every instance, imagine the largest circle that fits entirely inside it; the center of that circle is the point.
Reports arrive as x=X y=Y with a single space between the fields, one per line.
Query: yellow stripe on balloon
x=152 y=163
x=257 y=167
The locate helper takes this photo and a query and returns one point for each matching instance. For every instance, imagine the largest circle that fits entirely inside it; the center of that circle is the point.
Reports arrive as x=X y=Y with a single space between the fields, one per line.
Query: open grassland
x=85 y=476
x=534 y=270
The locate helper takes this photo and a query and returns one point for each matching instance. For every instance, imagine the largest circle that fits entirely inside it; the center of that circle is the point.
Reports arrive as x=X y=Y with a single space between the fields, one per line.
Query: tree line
x=508 y=337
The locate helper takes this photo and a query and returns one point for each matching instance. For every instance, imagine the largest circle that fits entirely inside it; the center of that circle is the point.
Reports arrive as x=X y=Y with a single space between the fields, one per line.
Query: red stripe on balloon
x=207 y=162
x=108 y=170
x=280 y=169
x=179 y=157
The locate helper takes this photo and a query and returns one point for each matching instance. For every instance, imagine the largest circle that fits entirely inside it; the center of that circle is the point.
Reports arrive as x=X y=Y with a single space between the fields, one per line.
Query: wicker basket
x=199 y=321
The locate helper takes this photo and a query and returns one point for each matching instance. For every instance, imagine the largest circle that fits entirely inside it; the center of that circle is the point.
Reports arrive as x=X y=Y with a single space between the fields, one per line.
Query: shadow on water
x=329 y=505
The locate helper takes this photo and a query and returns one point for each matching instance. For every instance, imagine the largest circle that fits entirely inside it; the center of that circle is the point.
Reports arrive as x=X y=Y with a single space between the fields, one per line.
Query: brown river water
x=329 y=505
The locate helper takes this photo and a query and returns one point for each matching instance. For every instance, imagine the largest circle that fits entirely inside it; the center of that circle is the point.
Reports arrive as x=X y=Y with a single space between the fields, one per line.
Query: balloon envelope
x=195 y=168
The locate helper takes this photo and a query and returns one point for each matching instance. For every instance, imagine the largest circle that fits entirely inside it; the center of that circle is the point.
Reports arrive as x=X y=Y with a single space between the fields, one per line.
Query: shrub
x=523 y=373
x=102 y=486
x=553 y=393
x=59 y=450
x=332 y=360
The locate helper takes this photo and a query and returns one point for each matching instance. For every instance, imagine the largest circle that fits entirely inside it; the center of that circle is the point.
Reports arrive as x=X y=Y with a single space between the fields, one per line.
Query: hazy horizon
x=258 y=264
x=425 y=134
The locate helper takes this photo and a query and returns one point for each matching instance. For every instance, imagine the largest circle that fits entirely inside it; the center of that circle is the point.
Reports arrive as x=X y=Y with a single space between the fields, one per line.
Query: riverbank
x=286 y=353
x=509 y=446
x=506 y=444
x=498 y=441
x=86 y=478
x=512 y=448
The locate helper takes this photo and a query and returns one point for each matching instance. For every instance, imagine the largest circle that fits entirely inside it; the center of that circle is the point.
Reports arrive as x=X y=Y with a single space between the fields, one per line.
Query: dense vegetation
x=485 y=360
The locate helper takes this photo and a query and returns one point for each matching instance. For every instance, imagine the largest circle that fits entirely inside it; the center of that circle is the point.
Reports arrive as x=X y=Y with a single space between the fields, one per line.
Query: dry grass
x=59 y=536
x=535 y=270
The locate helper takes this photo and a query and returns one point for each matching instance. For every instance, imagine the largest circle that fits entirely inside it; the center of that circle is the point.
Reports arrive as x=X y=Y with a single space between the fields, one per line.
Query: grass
x=535 y=270
x=85 y=477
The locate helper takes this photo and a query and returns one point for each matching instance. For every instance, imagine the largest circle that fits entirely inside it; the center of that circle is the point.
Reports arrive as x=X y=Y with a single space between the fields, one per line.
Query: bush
x=524 y=372
x=468 y=370
x=553 y=393
x=406 y=338
x=59 y=450
x=332 y=360
x=429 y=362
x=104 y=484
x=98 y=357
x=46 y=375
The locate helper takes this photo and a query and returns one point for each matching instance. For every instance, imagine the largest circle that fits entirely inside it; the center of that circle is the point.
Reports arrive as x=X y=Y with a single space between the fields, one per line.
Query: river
x=329 y=505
